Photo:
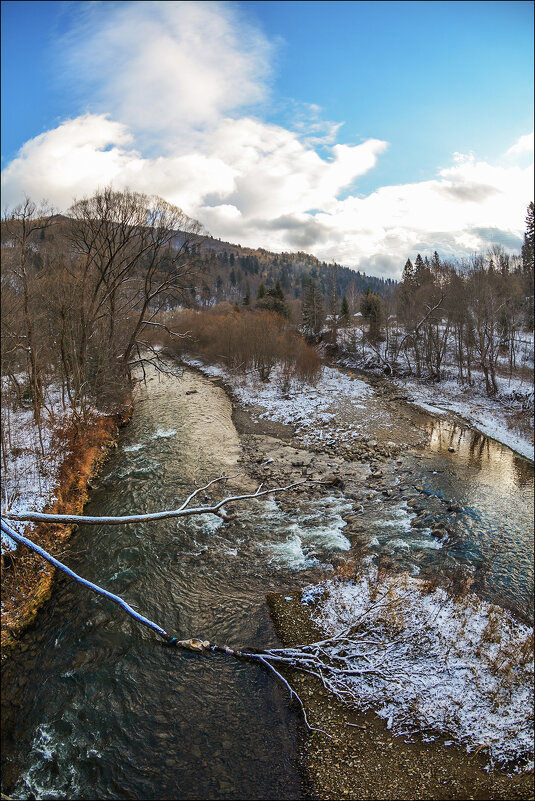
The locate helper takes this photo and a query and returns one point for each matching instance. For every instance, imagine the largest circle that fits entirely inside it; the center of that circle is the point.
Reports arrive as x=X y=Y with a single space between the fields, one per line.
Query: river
x=95 y=707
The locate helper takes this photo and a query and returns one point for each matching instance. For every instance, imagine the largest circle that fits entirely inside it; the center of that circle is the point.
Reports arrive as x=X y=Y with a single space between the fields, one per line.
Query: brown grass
x=26 y=578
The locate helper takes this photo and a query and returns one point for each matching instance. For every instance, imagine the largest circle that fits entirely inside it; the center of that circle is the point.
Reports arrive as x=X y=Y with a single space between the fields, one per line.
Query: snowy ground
x=488 y=415
x=430 y=663
x=306 y=407
x=31 y=475
x=485 y=414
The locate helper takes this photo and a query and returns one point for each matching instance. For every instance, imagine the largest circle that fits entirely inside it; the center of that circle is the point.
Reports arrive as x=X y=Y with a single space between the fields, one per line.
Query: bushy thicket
x=244 y=341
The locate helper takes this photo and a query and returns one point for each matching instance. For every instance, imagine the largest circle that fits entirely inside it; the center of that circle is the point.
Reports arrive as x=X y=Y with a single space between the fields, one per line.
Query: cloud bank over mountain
x=176 y=96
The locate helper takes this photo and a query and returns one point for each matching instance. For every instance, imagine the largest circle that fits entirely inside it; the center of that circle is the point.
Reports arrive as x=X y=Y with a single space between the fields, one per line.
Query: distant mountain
x=231 y=272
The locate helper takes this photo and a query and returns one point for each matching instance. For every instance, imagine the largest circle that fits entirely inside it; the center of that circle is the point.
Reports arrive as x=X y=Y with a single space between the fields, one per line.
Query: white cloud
x=165 y=121
x=522 y=147
x=171 y=69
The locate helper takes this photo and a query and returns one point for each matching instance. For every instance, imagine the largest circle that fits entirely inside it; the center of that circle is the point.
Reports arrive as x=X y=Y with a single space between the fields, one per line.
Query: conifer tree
x=371 y=308
x=344 y=312
x=313 y=314
x=274 y=300
x=529 y=242
x=408 y=272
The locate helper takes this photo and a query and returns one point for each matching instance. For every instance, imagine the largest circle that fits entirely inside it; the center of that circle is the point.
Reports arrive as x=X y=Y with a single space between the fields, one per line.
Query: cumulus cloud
x=172 y=116
x=522 y=147
x=171 y=69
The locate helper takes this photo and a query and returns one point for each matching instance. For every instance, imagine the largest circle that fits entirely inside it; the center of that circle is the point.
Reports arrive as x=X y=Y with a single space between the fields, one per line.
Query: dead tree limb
x=182 y=511
x=192 y=644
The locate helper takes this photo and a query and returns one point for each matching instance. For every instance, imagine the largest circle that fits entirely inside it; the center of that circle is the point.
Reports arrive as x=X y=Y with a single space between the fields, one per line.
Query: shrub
x=243 y=340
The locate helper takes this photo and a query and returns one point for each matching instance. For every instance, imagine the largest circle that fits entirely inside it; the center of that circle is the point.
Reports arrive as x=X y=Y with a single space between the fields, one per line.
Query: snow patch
x=459 y=666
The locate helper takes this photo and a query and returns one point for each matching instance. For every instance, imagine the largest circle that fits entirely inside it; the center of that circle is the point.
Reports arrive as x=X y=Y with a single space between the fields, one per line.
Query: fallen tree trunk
x=192 y=644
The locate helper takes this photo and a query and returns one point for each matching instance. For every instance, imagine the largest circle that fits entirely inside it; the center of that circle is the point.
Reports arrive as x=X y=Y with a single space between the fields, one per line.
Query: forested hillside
x=234 y=274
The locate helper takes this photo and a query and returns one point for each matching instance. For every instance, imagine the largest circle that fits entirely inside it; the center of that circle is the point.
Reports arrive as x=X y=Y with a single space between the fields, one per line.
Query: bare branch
x=185 y=335
x=40 y=517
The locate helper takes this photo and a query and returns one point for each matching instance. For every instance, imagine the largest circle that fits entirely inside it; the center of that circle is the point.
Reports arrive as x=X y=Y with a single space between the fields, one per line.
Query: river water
x=95 y=707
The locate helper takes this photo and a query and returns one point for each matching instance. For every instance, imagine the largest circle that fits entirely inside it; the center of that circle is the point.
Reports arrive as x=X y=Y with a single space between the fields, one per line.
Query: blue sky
x=359 y=131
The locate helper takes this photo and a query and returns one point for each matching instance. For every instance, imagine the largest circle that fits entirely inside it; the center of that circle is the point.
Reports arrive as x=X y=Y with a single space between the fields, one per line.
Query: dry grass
x=243 y=341
x=26 y=578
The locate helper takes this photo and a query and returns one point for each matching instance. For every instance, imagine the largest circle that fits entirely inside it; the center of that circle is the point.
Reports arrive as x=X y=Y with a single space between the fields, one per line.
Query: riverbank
x=363 y=759
x=507 y=417
x=27 y=580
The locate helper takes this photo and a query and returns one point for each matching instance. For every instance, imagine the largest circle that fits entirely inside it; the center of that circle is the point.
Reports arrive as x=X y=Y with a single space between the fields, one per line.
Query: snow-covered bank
x=30 y=473
x=425 y=661
x=56 y=482
x=485 y=414
x=492 y=416
x=461 y=667
x=305 y=406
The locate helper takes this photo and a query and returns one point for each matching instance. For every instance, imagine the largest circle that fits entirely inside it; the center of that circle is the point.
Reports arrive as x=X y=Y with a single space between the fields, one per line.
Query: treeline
x=232 y=274
x=85 y=293
x=80 y=293
x=469 y=316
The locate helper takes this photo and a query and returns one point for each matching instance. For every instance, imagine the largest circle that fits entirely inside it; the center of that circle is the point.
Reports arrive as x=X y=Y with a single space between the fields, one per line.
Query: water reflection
x=488 y=494
x=498 y=464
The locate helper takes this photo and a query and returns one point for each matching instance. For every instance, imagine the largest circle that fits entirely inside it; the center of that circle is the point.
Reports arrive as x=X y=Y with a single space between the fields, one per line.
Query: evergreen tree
x=408 y=272
x=419 y=265
x=529 y=242
x=344 y=312
x=371 y=308
x=313 y=314
x=277 y=292
x=422 y=273
x=261 y=291
x=274 y=300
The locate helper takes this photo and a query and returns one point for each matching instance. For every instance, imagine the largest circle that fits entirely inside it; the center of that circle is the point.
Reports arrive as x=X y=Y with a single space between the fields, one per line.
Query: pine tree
x=371 y=308
x=273 y=300
x=408 y=272
x=312 y=313
x=344 y=312
x=529 y=242
x=422 y=273
x=419 y=265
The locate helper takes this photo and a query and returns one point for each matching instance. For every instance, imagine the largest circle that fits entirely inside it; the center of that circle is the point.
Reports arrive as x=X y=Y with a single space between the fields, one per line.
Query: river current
x=95 y=707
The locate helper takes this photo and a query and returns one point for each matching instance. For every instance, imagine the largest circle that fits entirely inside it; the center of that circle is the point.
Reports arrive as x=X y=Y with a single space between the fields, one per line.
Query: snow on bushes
x=430 y=662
